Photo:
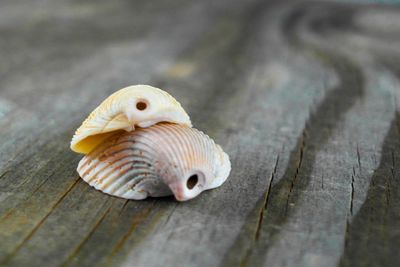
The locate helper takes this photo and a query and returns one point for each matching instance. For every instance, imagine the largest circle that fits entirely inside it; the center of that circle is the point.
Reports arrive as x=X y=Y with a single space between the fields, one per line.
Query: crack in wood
x=393 y=165
x=170 y=214
x=352 y=194
x=42 y=183
x=4 y=173
x=322 y=181
x=86 y=237
x=358 y=157
x=123 y=206
x=369 y=232
x=37 y=226
x=263 y=209
x=298 y=166
x=139 y=218
x=266 y=199
x=347 y=235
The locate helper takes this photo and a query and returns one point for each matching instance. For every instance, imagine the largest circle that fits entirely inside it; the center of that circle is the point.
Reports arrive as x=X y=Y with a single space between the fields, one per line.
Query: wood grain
x=303 y=95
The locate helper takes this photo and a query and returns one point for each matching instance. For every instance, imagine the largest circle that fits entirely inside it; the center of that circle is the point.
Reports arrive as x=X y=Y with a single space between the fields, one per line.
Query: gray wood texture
x=302 y=95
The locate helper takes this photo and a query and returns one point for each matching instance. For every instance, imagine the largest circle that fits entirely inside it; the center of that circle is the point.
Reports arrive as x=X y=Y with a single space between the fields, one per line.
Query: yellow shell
x=138 y=105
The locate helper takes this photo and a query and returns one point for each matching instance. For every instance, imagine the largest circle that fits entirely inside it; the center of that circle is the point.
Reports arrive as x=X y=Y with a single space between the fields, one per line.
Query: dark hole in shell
x=141 y=105
x=192 y=181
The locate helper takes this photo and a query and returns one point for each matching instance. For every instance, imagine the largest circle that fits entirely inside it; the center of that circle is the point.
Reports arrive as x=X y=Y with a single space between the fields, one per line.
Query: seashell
x=162 y=156
x=138 y=105
x=160 y=160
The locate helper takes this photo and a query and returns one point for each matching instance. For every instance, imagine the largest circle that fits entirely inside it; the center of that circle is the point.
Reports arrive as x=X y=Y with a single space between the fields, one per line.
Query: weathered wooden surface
x=302 y=95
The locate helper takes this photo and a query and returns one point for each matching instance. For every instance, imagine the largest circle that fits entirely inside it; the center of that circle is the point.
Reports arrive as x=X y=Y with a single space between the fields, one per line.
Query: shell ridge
x=109 y=146
x=201 y=146
x=110 y=162
x=116 y=183
x=127 y=182
x=121 y=188
x=164 y=148
x=175 y=151
x=119 y=167
x=125 y=169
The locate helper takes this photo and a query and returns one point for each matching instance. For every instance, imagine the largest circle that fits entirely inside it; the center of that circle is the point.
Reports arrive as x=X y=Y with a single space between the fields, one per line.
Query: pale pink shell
x=161 y=160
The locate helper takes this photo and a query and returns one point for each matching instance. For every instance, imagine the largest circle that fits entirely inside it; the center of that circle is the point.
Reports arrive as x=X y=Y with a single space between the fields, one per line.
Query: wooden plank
x=326 y=161
x=301 y=95
x=51 y=194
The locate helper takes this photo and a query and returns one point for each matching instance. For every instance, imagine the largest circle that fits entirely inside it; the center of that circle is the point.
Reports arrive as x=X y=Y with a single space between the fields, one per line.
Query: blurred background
x=303 y=96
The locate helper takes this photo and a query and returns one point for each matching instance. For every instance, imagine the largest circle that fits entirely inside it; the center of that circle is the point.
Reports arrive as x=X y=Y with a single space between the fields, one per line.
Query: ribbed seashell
x=160 y=160
x=139 y=105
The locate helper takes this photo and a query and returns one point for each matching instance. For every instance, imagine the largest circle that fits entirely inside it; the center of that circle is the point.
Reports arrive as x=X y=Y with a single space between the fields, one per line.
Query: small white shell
x=138 y=105
x=161 y=160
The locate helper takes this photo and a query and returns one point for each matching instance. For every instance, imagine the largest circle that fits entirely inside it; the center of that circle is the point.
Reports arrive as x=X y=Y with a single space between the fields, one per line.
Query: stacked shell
x=140 y=142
